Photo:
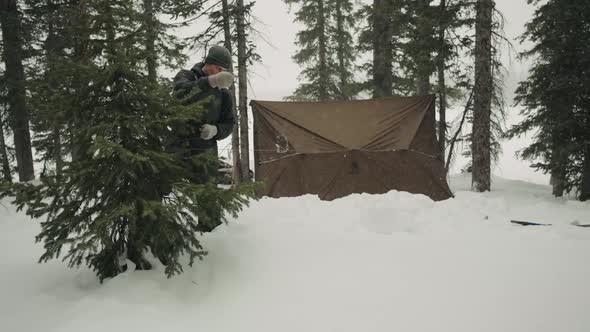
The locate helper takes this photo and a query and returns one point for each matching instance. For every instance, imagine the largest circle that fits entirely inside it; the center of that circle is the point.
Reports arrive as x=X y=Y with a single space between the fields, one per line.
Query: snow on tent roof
x=337 y=148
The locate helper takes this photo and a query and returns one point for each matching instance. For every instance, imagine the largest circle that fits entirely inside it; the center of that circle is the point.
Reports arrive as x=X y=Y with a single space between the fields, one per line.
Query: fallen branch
x=454 y=139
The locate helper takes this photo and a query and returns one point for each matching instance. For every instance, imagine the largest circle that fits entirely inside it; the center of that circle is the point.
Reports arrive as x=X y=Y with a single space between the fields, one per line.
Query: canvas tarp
x=334 y=149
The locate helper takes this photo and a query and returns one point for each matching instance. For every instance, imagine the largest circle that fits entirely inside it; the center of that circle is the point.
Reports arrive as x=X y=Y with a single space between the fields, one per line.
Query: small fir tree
x=128 y=192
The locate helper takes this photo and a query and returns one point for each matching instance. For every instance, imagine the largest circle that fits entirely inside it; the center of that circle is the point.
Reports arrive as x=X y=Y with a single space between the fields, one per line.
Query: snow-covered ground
x=394 y=262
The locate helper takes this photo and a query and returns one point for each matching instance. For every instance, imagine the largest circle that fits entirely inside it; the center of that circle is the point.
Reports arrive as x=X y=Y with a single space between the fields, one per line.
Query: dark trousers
x=204 y=168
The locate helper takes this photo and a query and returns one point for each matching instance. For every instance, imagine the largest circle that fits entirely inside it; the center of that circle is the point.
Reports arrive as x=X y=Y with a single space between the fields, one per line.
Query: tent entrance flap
x=333 y=149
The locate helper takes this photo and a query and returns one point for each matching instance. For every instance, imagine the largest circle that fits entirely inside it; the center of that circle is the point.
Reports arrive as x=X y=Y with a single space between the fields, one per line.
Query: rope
x=286 y=155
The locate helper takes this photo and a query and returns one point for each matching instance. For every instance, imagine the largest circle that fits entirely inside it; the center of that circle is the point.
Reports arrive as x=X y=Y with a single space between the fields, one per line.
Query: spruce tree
x=554 y=98
x=341 y=35
x=422 y=44
x=126 y=198
x=50 y=138
x=326 y=51
x=377 y=38
x=11 y=20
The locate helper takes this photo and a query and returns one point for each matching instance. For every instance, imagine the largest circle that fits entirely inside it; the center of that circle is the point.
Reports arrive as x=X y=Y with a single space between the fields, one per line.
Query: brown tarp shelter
x=333 y=149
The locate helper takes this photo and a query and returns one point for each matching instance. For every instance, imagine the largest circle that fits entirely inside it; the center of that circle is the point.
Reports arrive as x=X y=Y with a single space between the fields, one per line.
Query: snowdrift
x=392 y=262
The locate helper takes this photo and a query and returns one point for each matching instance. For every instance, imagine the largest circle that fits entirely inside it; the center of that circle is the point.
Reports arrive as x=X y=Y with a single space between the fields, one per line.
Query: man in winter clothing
x=206 y=85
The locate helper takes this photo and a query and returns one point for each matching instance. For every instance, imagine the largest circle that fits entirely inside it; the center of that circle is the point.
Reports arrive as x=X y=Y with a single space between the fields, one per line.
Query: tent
x=333 y=149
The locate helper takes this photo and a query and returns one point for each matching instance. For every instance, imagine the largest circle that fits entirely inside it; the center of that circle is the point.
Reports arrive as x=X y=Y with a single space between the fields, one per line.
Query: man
x=206 y=85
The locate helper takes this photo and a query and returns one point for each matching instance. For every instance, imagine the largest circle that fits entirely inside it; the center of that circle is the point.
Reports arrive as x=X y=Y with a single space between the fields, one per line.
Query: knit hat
x=219 y=55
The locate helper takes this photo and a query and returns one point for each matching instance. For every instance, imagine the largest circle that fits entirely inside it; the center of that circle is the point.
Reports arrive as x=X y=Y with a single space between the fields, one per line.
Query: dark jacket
x=217 y=103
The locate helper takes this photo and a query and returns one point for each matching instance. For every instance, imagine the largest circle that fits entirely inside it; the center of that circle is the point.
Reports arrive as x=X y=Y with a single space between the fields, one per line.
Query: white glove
x=208 y=131
x=223 y=79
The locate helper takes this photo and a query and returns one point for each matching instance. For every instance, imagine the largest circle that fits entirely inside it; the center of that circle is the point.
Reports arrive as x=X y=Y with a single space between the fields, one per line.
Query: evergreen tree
x=62 y=20
x=421 y=43
x=12 y=36
x=554 y=98
x=326 y=50
x=50 y=138
x=127 y=193
x=376 y=38
x=162 y=46
x=411 y=40
x=313 y=53
x=341 y=35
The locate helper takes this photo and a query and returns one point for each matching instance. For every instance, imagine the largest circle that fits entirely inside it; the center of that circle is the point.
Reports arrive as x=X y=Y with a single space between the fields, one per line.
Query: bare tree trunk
x=323 y=88
x=424 y=57
x=342 y=73
x=562 y=108
x=382 y=49
x=442 y=93
x=152 y=62
x=81 y=55
x=559 y=159
x=53 y=46
x=483 y=97
x=57 y=149
x=235 y=137
x=585 y=188
x=243 y=90
x=6 y=172
x=10 y=18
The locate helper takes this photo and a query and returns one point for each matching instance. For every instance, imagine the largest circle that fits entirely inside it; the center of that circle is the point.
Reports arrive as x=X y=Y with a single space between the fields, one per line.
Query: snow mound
x=393 y=262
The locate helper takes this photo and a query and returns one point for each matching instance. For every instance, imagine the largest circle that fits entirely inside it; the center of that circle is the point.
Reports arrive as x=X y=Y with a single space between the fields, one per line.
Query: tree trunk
x=382 y=49
x=57 y=151
x=323 y=88
x=562 y=109
x=342 y=72
x=235 y=137
x=150 y=44
x=442 y=93
x=15 y=77
x=53 y=47
x=81 y=55
x=585 y=189
x=559 y=159
x=483 y=97
x=243 y=90
x=6 y=172
x=423 y=62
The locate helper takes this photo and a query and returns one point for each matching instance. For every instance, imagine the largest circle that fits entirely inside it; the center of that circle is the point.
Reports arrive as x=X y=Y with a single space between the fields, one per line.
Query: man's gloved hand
x=208 y=131
x=223 y=79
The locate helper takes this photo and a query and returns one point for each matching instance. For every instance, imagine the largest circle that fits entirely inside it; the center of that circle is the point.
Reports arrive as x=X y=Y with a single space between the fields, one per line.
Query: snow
x=393 y=262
